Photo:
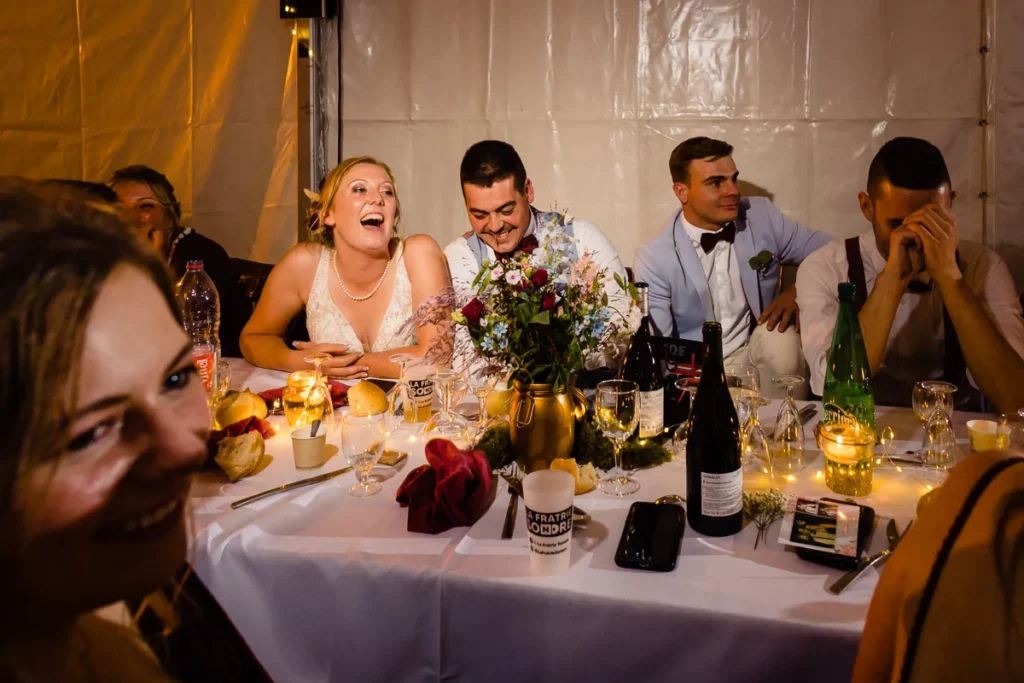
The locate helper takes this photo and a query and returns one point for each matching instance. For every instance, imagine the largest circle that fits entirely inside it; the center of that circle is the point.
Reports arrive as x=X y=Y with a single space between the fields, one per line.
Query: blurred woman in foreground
x=950 y=603
x=104 y=421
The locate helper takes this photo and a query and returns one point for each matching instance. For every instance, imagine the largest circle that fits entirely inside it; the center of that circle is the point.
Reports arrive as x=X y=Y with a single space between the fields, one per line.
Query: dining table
x=326 y=586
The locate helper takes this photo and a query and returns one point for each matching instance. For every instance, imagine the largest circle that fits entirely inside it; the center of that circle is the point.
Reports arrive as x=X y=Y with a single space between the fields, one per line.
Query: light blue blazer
x=679 y=296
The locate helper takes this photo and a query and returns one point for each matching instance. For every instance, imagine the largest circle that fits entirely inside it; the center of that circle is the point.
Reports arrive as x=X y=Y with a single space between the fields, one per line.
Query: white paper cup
x=548 y=497
x=986 y=435
x=309 y=451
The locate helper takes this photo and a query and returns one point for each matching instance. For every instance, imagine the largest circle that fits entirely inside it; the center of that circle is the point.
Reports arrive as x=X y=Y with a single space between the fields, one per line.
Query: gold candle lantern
x=293 y=399
x=849 y=449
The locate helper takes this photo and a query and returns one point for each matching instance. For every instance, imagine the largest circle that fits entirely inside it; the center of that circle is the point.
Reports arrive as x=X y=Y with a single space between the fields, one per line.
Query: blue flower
x=500 y=330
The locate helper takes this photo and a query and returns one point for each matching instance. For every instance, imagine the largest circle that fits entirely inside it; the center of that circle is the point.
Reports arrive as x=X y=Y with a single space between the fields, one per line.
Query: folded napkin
x=338 y=393
x=454 y=489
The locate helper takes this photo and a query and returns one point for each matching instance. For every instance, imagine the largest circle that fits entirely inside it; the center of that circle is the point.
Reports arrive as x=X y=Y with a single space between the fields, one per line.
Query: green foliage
x=590 y=446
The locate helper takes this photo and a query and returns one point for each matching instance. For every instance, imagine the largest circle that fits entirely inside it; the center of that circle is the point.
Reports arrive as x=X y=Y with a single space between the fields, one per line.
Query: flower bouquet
x=539 y=313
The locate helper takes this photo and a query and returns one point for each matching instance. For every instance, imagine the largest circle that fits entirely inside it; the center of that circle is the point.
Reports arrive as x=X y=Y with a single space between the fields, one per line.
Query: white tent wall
x=202 y=90
x=595 y=94
x=1008 y=135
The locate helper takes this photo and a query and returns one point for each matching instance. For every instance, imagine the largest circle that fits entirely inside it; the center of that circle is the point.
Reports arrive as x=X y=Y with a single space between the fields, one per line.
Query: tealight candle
x=848 y=450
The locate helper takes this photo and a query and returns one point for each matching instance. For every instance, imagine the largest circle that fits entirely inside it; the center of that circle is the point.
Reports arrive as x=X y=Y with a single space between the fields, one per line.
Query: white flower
x=514 y=277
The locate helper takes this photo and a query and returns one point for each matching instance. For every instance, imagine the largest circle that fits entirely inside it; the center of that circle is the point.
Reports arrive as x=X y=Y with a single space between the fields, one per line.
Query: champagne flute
x=617 y=406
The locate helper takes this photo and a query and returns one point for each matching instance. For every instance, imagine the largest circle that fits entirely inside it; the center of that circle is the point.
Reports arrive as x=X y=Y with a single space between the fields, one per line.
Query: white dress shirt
x=730 y=303
x=464 y=268
x=916 y=347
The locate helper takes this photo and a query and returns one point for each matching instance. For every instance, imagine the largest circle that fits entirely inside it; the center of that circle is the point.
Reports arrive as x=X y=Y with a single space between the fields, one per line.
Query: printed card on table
x=819 y=525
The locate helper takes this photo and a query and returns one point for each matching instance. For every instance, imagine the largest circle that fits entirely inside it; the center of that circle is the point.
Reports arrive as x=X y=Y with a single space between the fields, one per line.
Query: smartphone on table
x=651 y=537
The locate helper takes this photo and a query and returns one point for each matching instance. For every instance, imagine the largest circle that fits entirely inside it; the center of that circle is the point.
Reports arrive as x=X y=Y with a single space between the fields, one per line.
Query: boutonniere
x=761 y=264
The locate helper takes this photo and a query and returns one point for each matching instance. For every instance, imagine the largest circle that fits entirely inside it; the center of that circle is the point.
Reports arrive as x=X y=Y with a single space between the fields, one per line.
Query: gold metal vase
x=542 y=423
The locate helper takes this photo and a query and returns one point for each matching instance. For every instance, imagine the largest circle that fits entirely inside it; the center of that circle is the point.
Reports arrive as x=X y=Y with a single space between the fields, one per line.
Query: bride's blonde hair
x=322 y=233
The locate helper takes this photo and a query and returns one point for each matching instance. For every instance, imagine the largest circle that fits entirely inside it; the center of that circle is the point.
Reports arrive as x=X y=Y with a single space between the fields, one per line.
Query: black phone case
x=651 y=537
x=864 y=528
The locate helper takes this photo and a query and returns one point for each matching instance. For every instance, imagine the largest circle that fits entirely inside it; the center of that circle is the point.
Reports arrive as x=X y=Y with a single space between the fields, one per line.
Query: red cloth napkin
x=338 y=393
x=454 y=489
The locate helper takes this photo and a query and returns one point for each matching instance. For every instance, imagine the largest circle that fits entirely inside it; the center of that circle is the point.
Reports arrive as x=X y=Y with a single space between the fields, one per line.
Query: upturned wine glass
x=448 y=424
x=617 y=407
x=362 y=442
x=755 y=450
x=318 y=404
x=743 y=382
x=788 y=437
x=688 y=385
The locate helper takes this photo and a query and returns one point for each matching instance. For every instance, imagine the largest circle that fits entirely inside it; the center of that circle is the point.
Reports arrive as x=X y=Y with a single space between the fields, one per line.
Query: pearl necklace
x=334 y=262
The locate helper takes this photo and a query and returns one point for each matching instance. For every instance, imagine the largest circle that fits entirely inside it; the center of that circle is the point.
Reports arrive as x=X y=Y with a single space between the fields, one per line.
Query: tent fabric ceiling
x=595 y=94
x=203 y=91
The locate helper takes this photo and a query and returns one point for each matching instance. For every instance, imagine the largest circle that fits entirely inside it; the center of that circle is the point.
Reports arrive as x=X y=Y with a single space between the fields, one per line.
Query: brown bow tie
x=709 y=239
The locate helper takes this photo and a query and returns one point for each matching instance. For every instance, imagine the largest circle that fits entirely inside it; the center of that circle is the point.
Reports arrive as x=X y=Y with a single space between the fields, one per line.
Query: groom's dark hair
x=692 y=149
x=490 y=161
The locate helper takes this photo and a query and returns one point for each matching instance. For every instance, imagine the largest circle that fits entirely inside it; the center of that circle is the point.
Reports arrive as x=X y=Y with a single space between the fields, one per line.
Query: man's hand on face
x=906 y=256
x=782 y=312
x=936 y=230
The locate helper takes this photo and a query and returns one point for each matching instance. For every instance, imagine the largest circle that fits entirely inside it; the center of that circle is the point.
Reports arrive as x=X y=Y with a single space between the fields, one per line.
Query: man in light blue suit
x=717 y=258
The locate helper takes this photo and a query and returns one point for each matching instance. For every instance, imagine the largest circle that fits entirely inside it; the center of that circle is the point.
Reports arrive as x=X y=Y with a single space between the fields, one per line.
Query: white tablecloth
x=327 y=587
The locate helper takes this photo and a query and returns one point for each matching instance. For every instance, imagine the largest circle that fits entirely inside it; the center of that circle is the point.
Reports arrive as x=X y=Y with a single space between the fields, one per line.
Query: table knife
x=849 y=577
x=510 y=514
x=288 y=487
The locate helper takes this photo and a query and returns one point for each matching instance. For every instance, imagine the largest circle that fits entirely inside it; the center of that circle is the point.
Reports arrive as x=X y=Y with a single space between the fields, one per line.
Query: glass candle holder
x=293 y=399
x=849 y=449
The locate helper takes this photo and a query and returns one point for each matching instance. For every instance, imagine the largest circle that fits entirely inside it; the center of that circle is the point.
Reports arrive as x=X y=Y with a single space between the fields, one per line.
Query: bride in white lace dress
x=368 y=294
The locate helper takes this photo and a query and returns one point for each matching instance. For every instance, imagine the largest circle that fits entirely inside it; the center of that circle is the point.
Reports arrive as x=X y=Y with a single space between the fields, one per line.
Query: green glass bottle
x=847 y=391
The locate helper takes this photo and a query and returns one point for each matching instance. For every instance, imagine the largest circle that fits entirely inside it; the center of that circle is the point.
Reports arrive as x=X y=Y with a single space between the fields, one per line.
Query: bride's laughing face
x=364 y=209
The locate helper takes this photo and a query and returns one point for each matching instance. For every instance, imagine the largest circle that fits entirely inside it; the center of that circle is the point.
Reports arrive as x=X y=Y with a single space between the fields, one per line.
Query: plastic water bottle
x=200 y=308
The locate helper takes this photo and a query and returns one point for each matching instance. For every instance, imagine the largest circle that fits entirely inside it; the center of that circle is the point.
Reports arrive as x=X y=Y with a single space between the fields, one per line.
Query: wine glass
x=788 y=437
x=482 y=384
x=362 y=442
x=317 y=404
x=743 y=381
x=932 y=395
x=688 y=385
x=617 y=406
x=448 y=424
x=755 y=451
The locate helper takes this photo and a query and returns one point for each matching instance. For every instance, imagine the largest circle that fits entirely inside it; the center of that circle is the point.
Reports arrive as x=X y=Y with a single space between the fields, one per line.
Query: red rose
x=528 y=244
x=540 y=277
x=473 y=311
x=548 y=302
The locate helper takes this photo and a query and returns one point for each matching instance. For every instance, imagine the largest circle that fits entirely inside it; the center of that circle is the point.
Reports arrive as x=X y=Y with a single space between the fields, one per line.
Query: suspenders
x=953 y=361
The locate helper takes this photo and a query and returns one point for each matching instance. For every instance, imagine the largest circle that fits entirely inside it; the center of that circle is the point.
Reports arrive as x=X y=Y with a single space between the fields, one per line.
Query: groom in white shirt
x=498 y=197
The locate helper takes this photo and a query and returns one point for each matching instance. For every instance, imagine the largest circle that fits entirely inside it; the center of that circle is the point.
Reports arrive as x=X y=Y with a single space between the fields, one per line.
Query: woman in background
x=150 y=196
x=104 y=422
x=367 y=292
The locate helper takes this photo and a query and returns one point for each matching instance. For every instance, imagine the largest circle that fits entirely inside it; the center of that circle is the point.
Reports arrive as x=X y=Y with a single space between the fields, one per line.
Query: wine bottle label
x=721 y=495
x=652 y=413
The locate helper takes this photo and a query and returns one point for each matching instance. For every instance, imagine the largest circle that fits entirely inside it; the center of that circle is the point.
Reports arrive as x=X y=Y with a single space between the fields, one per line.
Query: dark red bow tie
x=527 y=245
x=709 y=239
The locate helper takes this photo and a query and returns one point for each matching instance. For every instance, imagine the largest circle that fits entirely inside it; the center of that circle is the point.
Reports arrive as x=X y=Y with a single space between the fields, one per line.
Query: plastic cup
x=985 y=435
x=309 y=451
x=548 y=497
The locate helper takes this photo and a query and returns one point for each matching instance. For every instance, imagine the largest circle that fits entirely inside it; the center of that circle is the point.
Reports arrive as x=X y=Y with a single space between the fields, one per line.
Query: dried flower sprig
x=764 y=508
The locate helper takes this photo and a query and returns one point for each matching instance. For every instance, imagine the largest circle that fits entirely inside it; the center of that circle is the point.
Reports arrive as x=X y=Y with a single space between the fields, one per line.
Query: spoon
x=312 y=430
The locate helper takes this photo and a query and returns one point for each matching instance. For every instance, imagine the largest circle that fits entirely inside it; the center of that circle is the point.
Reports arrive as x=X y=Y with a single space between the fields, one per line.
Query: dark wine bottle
x=714 y=476
x=642 y=367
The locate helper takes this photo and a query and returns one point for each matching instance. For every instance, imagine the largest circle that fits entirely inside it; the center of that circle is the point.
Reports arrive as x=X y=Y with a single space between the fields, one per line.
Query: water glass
x=617 y=407
x=362 y=442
